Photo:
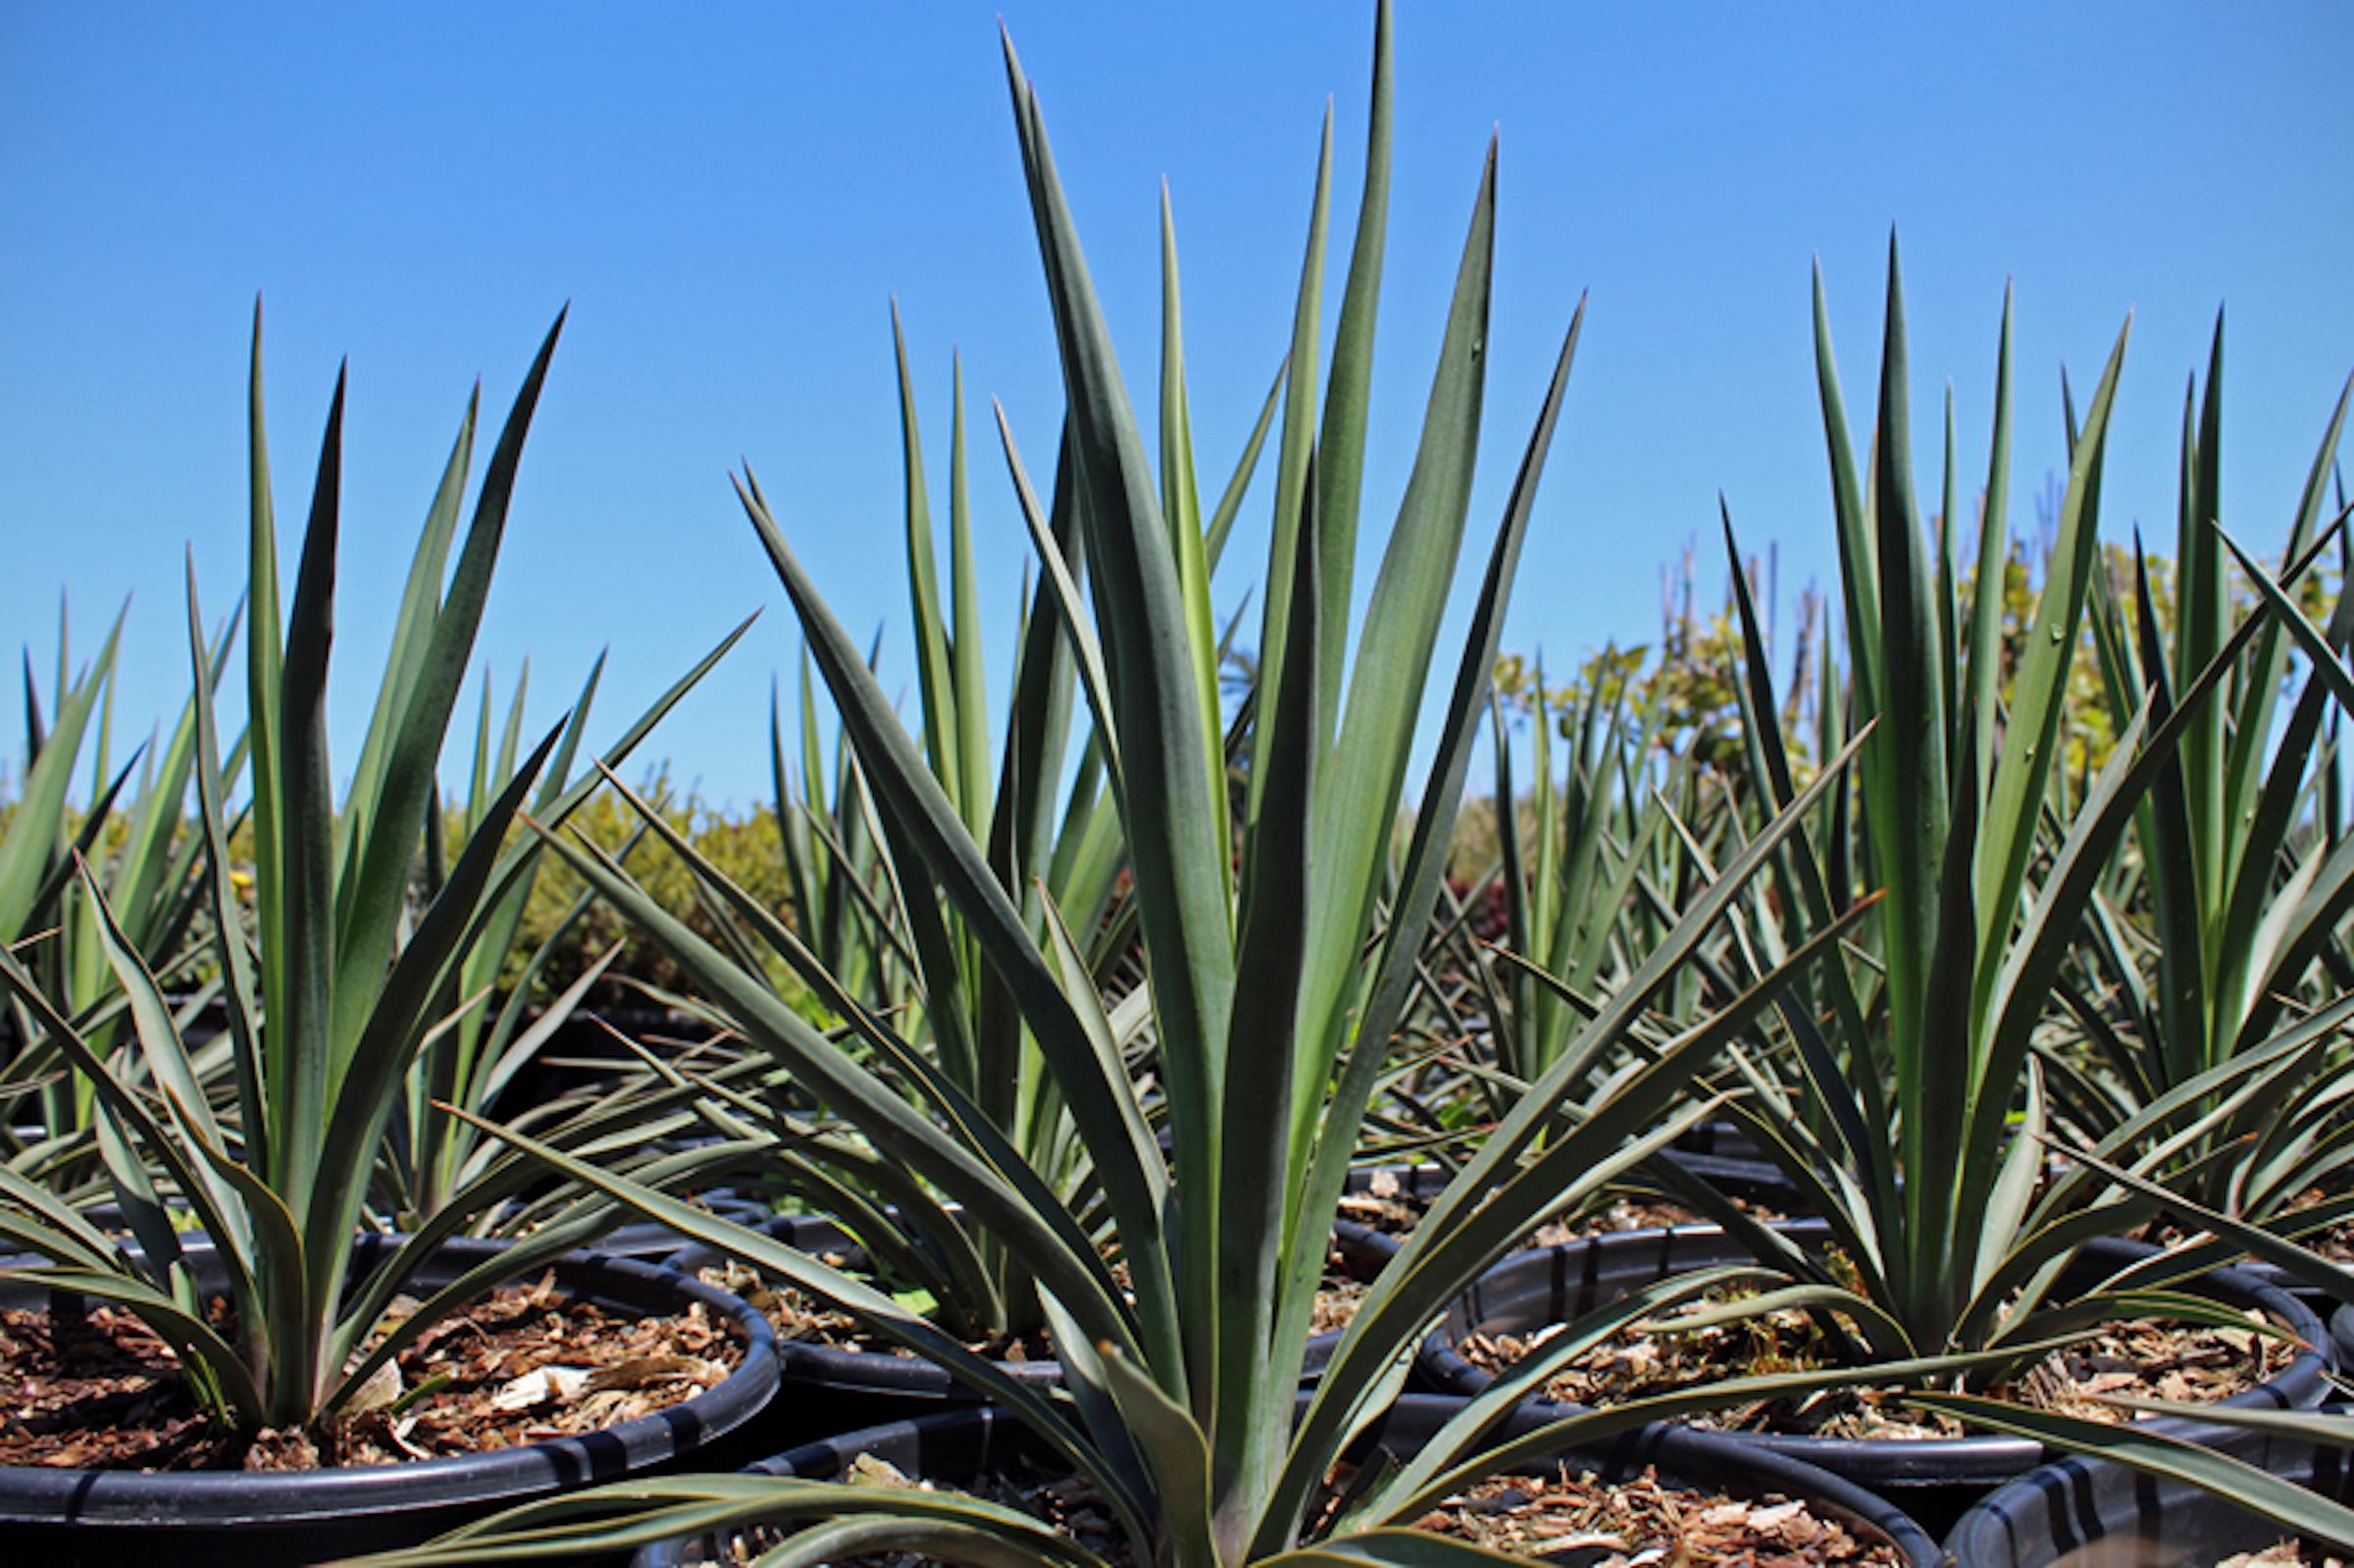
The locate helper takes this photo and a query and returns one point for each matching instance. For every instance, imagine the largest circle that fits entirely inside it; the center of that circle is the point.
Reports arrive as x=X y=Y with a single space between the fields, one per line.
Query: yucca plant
x=35 y=850
x=1592 y=883
x=434 y=1163
x=2220 y=928
x=1273 y=980
x=134 y=831
x=150 y=858
x=430 y=1157
x=1909 y=1104
x=1584 y=874
x=873 y=935
x=1050 y=830
x=432 y=1166
x=837 y=891
x=2293 y=1507
x=846 y=896
x=332 y=982
x=38 y=839
x=1629 y=792
x=879 y=948
x=2221 y=840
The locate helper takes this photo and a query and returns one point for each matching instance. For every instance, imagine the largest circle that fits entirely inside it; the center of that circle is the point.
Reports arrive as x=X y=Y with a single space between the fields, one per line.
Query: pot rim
x=140 y=1498
x=1695 y=1459
x=2078 y=1501
x=1980 y=1460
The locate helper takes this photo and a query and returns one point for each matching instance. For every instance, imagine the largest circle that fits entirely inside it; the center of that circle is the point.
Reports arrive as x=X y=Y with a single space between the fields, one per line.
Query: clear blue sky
x=728 y=196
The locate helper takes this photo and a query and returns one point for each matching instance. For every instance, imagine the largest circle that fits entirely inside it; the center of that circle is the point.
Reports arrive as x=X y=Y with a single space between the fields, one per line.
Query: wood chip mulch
x=2285 y=1554
x=529 y=1364
x=1570 y=1517
x=97 y=1392
x=2143 y=1358
x=1564 y=1517
x=1337 y=1302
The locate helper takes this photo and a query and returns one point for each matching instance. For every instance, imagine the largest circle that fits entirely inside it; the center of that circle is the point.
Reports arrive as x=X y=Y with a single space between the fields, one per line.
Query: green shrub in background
x=747 y=847
x=1682 y=680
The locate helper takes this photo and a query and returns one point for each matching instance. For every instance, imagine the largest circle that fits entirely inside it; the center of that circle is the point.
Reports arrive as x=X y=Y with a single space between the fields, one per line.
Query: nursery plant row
x=1113 y=1118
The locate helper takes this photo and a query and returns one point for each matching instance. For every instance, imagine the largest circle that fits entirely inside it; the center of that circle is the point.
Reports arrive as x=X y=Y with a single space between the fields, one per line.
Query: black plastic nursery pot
x=827 y=1389
x=2342 y=1336
x=1723 y=1154
x=259 y=1519
x=1750 y=1181
x=952 y=1449
x=1721 y=1139
x=1935 y=1478
x=2320 y=1301
x=2325 y=1303
x=2089 y=1514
